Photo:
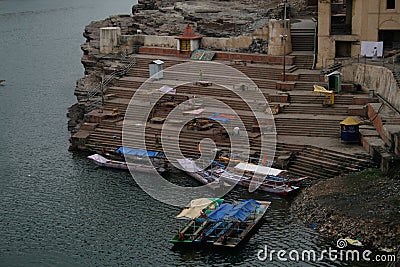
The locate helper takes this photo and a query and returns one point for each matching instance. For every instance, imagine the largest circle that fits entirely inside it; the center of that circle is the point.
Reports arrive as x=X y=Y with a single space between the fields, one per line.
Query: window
x=390 y=4
x=185 y=45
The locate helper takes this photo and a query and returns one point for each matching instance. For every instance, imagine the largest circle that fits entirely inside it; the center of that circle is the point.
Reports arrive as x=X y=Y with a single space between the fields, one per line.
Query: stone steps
x=318 y=99
x=307 y=127
x=316 y=109
x=304 y=61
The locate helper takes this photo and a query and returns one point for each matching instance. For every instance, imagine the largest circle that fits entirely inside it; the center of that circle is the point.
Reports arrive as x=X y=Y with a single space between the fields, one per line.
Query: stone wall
x=239 y=43
x=236 y=43
x=375 y=78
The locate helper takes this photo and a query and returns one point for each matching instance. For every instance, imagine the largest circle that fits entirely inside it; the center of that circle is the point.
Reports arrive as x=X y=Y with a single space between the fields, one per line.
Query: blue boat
x=228 y=226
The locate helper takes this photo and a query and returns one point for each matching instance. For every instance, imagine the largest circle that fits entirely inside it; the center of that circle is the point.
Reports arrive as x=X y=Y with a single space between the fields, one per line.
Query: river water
x=56 y=208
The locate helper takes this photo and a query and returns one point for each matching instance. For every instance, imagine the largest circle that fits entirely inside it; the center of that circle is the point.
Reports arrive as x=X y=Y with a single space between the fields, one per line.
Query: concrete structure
x=109 y=39
x=277 y=31
x=343 y=24
x=378 y=78
x=189 y=41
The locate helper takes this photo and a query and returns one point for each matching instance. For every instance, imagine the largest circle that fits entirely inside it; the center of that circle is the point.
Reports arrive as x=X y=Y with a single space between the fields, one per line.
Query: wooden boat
x=115 y=164
x=2 y=82
x=265 y=178
x=242 y=231
x=229 y=225
x=269 y=186
x=197 y=212
x=206 y=177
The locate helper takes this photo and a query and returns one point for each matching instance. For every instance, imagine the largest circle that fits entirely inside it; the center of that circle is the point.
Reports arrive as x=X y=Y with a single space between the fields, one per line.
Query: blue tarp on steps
x=138 y=152
x=220 y=117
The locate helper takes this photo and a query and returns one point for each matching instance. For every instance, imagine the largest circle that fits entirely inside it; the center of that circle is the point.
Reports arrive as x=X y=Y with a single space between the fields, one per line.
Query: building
x=344 y=24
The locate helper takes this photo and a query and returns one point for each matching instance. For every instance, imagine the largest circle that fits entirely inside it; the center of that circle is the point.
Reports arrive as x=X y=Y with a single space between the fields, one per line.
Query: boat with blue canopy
x=136 y=160
x=228 y=225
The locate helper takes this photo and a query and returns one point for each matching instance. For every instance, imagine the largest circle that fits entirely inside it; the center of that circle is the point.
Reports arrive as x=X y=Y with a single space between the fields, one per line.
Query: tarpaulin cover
x=258 y=169
x=194 y=112
x=350 y=121
x=221 y=117
x=193 y=210
x=188 y=165
x=167 y=90
x=138 y=152
x=242 y=210
x=98 y=158
x=220 y=212
x=320 y=89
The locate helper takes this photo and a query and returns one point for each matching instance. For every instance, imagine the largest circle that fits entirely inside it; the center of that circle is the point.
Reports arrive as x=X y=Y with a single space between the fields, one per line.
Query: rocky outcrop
x=361 y=206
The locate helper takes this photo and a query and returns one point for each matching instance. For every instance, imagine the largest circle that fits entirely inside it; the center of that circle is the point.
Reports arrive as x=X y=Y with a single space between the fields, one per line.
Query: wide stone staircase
x=302 y=115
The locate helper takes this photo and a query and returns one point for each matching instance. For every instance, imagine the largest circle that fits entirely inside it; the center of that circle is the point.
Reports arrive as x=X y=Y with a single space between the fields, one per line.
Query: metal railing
x=99 y=90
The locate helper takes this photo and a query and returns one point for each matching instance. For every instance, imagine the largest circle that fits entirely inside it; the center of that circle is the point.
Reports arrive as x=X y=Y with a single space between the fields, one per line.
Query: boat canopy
x=188 y=165
x=195 y=207
x=139 y=152
x=242 y=211
x=219 y=213
x=98 y=158
x=258 y=169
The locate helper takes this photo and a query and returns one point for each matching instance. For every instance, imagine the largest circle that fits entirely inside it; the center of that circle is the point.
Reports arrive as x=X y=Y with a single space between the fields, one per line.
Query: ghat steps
x=315 y=121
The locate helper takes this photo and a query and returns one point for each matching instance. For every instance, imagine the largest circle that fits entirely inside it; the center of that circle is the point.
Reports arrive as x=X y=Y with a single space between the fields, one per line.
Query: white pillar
x=109 y=39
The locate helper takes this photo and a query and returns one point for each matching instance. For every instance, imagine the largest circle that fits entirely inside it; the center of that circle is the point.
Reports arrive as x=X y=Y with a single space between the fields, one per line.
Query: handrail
x=315 y=44
x=117 y=73
x=388 y=103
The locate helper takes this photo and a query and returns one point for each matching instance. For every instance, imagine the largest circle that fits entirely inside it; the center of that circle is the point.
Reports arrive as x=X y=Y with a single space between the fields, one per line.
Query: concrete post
x=325 y=47
x=109 y=39
x=276 y=40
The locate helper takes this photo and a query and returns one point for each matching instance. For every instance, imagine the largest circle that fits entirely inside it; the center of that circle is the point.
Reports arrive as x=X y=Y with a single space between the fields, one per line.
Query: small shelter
x=189 y=41
x=335 y=81
x=349 y=130
x=156 y=68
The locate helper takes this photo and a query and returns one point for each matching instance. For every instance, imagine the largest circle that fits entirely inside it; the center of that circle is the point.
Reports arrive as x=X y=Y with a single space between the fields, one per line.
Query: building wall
x=376 y=78
x=368 y=17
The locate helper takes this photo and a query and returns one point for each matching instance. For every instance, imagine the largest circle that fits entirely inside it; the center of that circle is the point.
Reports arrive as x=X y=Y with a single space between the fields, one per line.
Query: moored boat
x=228 y=225
x=261 y=184
x=136 y=160
x=196 y=212
x=206 y=177
x=242 y=231
x=264 y=178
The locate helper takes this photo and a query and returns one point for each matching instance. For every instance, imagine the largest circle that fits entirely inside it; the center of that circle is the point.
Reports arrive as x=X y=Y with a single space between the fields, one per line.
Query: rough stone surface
x=363 y=206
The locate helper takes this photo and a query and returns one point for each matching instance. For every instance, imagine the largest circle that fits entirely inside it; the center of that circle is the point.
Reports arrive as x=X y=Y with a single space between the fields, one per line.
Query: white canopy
x=167 y=90
x=194 y=112
x=258 y=169
x=188 y=165
x=98 y=158
x=194 y=208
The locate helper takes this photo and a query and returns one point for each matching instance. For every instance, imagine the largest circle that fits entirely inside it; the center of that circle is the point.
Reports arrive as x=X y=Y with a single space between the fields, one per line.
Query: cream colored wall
x=326 y=46
x=239 y=42
x=275 y=41
x=160 y=41
x=369 y=16
x=109 y=39
x=376 y=78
